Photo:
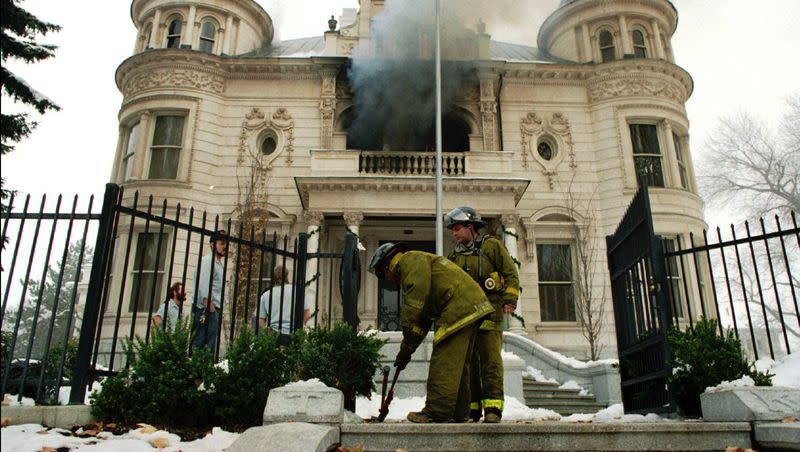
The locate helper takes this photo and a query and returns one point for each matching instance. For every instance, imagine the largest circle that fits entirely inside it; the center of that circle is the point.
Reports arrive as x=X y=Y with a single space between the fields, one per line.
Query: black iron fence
x=747 y=277
x=70 y=327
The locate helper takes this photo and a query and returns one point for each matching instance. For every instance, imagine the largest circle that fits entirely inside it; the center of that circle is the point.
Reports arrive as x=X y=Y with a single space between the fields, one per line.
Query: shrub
x=700 y=358
x=340 y=358
x=162 y=385
x=255 y=365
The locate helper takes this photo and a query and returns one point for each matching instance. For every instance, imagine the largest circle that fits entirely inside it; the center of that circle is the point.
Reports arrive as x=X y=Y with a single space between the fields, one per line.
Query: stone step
x=557 y=396
x=531 y=381
x=550 y=390
x=566 y=407
x=547 y=436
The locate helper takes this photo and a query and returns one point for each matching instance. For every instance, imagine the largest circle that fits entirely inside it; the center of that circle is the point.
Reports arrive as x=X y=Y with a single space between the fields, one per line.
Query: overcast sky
x=741 y=54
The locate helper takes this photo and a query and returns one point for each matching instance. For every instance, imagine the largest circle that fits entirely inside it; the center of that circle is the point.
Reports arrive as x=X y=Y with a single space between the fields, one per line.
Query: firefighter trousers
x=486 y=385
x=448 y=376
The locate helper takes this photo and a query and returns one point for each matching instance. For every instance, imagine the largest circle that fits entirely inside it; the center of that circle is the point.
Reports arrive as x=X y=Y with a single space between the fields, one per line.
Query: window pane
x=175 y=27
x=638 y=38
x=608 y=54
x=545 y=151
x=133 y=139
x=556 y=302
x=206 y=45
x=208 y=31
x=164 y=163
x=645 y=139
x=606 y=39
x=555 y=262
x=640 y=52
x=168 y=131
x=145 y=273
x=142 y=294
x=648 y=171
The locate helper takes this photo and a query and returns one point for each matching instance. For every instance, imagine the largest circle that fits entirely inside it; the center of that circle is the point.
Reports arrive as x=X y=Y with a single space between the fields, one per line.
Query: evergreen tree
x=18 y=32
x=62 y=310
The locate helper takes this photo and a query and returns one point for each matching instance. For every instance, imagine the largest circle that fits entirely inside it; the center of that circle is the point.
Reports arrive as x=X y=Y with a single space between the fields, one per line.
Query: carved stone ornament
x=255 y=122
x=313 y=218
x=353 y=218
x=327 y=110
x=555 y=130
x=609 y=89
x=509 y=220
x=174 y=78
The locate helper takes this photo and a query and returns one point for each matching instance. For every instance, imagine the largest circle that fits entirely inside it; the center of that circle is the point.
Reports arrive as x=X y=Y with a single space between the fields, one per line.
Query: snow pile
x=569 y=361
x=572 y=384
x=536 y=374
x=514 y=410
x=65 y=391
x=399 y=409
x=30 y=437
x=614 y=413
x=508 y=355
x=11 y=400
x=744 y=382
x=313 y=383
x=223 y=365
x=786 y=370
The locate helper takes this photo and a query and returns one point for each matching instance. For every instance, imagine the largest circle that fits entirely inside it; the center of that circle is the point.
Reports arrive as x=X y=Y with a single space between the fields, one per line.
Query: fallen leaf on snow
x=88 y=433
x=49 y=449
x=4 y=422
x=42 y=432
x=159 y=443
x=734 y=449
x=787 y=419
x=147 y=428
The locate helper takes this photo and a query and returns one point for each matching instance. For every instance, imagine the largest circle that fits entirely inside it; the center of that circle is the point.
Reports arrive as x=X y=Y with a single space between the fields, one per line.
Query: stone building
x=549 y=142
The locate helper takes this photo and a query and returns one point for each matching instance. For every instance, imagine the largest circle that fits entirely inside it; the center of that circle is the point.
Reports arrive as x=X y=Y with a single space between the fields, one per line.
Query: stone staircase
x=564 y=401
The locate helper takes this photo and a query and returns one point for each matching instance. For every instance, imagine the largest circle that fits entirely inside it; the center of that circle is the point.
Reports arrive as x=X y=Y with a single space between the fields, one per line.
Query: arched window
x=208 y=35
x=269 y=142
x=608 y=50
x=174 y=33
x=639 y=46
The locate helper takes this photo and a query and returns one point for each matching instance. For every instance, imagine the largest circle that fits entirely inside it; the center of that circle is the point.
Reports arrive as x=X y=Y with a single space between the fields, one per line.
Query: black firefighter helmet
x=383 y=255
x=464 y=216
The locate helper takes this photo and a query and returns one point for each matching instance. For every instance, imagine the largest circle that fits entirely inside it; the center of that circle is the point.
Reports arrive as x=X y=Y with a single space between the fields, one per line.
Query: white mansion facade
x=550 y=143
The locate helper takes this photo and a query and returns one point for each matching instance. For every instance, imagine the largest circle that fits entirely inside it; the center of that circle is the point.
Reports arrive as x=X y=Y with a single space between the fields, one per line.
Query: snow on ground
x=536 y=374
x=508 y=355
x=306 y=384
x=568 y=360
x=743 y=382
x=65 y=391
x=514 y=410
x=572 y=384
x=786 y=370
x=34 y=437
x=614 y=413
x=11 y=400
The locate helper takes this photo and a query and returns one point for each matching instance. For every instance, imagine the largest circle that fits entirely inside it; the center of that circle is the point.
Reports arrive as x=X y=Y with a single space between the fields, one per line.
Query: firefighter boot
x=420 y=417
x=493 y=416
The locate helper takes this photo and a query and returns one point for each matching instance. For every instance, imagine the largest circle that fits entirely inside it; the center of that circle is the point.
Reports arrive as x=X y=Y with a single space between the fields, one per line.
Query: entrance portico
x=400 y=208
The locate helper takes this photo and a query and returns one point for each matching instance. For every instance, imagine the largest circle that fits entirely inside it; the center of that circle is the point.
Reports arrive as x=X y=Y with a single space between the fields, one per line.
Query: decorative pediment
x=255 y=123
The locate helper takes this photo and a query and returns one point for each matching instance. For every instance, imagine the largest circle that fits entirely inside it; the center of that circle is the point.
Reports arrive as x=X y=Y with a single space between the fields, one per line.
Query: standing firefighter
x=487 y=261
x=437 y=290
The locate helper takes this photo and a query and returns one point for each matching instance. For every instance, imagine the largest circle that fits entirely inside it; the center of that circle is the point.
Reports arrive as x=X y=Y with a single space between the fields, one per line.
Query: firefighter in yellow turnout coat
x=488 y=262
x=437 y=290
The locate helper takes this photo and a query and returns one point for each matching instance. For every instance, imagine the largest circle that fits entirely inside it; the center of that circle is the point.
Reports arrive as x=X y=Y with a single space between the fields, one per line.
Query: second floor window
x=165 y=151
x=639 y=46
x=608 y=50
x=174 y=34
x=647 y=155
x=556 y=287
x=208 y=33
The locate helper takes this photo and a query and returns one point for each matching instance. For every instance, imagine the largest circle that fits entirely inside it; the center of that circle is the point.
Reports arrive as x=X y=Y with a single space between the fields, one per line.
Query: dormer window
x=639 y=46
x=208 y=35
x=174 y=33
x=608 y=51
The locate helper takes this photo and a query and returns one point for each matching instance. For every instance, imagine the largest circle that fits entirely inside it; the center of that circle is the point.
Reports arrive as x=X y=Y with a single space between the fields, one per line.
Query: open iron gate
x=641 y=309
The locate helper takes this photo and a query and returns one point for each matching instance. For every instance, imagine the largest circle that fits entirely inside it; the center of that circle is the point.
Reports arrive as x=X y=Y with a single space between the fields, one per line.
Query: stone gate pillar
x=314 y=224
x=510 y=222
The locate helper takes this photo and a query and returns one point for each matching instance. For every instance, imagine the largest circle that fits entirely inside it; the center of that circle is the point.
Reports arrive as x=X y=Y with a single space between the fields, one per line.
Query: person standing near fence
x=171 y=308
x=208 y=297
x=276 y=304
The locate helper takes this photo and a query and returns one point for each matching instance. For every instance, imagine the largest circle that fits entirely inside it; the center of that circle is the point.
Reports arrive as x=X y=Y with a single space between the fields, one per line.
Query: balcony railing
x=410 y=163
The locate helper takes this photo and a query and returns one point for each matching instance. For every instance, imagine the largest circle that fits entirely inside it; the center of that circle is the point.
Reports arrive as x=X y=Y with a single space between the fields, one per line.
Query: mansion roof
x=314 y=46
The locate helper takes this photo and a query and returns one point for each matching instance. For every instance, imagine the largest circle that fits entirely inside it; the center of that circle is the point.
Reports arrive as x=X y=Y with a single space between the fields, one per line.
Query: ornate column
x=510 y=238
x=627 y=48
x=228 y=37
x=588 y=52
x=327 y=108
x=659 y=50
x=488 y=105
x=188 y=36
x=313 y=220
x=155 y=30
x=671 y=157
x=353 y=221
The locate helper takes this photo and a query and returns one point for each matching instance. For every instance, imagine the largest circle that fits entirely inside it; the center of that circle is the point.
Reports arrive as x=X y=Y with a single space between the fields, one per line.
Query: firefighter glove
x=403 y=357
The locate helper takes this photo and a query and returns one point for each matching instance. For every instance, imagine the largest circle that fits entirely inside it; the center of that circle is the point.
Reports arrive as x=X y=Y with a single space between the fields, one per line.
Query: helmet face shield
x=463 y=215
x=380 y=258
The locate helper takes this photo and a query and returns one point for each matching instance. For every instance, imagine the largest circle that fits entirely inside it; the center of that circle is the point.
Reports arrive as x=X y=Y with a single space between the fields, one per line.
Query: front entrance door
x=390 y=300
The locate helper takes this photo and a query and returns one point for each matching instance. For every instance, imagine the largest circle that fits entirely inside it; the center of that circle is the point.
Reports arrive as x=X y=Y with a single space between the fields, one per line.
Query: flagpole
x=438 y=64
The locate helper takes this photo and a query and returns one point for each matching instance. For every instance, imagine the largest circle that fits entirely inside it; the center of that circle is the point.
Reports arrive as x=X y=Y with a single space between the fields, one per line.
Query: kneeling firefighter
x=435 y=289
x=488 y=262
